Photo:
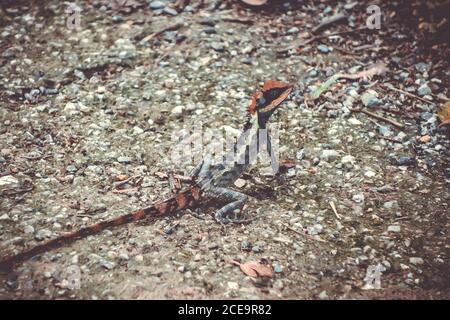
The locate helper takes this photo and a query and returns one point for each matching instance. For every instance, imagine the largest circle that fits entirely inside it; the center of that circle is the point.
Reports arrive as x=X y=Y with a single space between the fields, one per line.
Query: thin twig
x=157 y=33
x=334 y=210
x=381 y=118
x=408 y=94
x=304 y=234
x=298 y=44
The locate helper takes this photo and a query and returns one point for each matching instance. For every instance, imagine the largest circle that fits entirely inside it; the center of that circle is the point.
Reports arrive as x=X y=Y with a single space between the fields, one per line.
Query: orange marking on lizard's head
x=272 y=95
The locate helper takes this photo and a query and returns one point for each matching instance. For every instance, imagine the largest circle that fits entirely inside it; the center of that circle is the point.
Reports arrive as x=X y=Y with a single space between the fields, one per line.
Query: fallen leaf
x=121 y=177
x=444 y=114
x=425 y=139
x=376 y=69
x=255 y=269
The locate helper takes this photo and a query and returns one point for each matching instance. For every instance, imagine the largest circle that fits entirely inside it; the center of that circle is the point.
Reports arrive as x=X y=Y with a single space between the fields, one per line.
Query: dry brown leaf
x=255 y=269
x=121 y=177
x=444 y=114
x=248 y=270
x=376 y=69
x=161 y=175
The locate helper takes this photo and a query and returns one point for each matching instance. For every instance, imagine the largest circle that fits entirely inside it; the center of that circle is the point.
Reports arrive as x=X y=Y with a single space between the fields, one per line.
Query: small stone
x=28 y=229
x=369 y=174
x=240 y=183
x=404 y=161
x=323 y=295
x=277 y=268
x=71 y=168
x=315 y=229
x=329 y=154
x=256 y=249
x=390 y=204
x=370 y=98
x=108 y=265
x=117 y=19
x=177 y=111
x=139 y=258
x=416 y=260
x=358 y=198
x=354 y=121
x=348 y=159
x=170 y=11
x=168 y=230
x=218 y=46
x=323 y=48
x=9 y=180
x=246 y=245
x=124 y=159
x=385 y=131
x=394 y=228
x=156 y=5
x=424 y=90
x=233 y=285
x=4 y=217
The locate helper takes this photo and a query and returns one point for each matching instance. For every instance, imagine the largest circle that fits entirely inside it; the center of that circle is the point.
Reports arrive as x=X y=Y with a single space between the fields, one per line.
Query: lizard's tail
x=180 y=201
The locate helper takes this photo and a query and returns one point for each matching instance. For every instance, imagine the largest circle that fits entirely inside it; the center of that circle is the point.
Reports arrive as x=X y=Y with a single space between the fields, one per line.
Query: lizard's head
x=266 y=101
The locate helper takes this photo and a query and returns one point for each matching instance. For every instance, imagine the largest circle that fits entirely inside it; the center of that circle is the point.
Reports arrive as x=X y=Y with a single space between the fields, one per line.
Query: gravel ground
x=79 y=108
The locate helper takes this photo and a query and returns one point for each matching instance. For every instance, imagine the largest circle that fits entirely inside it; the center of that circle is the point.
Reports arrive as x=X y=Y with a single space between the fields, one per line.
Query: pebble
x=177 y=111
x=404 y=161
x=156 y=5
x=315 y=229
x=354 y=121
x=370 y=98
x=246 y=245
x=256 y=249
x=277 y=268
x=124 y=159
x=168 y=230
x=394 y=228
x=218 y=46
x=240 y=183
x=424 y=90
x=323 y=48
x=7 y=181
x=170 y=11
x=416 y=261
x=329 y=154
x=358 y=198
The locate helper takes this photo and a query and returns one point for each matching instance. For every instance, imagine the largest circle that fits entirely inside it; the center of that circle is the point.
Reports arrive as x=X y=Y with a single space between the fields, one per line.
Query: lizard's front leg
x=236 y=200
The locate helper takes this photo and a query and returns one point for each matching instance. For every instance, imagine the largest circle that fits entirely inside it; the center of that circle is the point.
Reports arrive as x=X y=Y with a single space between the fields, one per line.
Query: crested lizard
x=211 y=180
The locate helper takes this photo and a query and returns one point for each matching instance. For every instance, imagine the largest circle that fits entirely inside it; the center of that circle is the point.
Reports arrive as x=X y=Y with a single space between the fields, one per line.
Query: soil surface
x=89 y=100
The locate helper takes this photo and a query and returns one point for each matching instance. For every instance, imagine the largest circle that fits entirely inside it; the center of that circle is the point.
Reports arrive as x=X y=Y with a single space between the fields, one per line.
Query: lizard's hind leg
x=236 y=200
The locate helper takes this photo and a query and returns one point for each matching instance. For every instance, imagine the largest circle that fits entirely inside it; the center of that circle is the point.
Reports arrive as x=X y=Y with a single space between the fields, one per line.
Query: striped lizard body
x=211 y=180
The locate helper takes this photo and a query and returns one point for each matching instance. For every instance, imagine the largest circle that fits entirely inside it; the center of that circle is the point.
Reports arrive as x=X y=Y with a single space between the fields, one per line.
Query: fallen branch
x=338 y=17
x=302 y=43
x=172 y=27
x=304 y=234
x=408 y=94
x=378 y=117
